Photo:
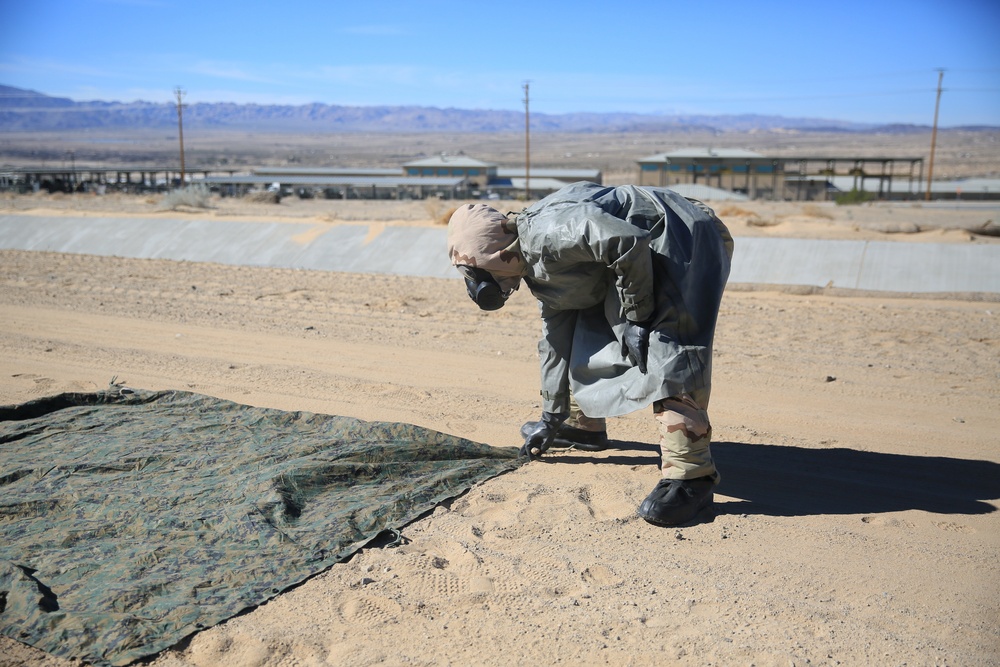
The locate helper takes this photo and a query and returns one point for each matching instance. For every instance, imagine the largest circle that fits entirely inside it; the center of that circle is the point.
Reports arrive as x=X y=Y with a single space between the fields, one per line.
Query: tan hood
x=481 y=236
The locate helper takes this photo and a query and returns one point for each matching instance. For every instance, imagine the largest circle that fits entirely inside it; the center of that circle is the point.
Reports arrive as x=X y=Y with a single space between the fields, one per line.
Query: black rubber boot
x=676 y=501
x=577 y=438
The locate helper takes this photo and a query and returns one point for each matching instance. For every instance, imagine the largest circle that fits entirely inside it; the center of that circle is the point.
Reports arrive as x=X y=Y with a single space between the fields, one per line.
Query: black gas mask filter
x=482 y=287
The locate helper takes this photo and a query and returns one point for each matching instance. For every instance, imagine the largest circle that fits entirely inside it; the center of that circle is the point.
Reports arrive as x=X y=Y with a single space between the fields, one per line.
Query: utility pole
x=930 y=166
x=180 y=126
x=527 y=146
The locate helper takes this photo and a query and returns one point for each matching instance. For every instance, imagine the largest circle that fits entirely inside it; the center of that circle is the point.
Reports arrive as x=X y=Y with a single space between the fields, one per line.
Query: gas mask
x=483 y=288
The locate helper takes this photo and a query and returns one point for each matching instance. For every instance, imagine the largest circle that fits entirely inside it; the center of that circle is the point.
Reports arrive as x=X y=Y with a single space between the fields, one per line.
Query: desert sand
x=856 y=435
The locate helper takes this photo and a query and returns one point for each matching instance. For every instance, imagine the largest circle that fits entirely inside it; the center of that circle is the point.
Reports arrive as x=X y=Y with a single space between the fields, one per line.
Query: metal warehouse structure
x=134 y=178
x=811 y=177
x=565 y=175
x=543 y=181
x=736 y=171
x=349 y=172
x=798 y=177
x=346 y=187
x=957 y=189
x=430 y=174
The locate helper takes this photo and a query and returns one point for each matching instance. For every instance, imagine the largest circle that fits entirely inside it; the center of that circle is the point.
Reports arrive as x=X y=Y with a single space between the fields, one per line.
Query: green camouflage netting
x=130 y=519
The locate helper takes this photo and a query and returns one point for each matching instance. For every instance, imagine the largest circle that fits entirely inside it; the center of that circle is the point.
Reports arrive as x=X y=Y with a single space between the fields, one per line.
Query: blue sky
x=866 y=61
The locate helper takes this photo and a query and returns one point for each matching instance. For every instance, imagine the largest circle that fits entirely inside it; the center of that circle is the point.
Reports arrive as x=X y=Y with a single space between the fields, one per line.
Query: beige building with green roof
x=734 y=169
x=476 y=172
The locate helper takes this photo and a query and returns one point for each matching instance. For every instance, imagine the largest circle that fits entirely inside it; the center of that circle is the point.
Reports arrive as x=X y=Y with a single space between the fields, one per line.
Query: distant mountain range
x=27 y=110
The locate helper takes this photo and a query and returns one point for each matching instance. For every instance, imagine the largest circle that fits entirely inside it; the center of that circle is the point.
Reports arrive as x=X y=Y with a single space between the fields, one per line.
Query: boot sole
x=584 y=446
x=705 y=506
x=564 y=443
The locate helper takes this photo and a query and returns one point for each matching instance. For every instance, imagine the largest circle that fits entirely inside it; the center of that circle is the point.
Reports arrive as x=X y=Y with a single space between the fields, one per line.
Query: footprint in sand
x=438 y=582
x=889 y=522
x=448 y=568
x=599 y=575
x=221 y=648
x=952 y=527
x=41 y=382
x=549 y=568
x=370 y=609
x=613 y=496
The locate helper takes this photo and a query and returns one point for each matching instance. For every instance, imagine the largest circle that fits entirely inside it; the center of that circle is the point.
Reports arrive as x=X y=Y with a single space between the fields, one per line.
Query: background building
x=807 y=177
x=733 y=169
x=477 y=174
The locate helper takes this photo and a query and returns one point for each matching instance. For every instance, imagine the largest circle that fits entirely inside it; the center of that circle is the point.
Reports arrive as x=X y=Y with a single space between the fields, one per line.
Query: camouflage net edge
x=130 y=519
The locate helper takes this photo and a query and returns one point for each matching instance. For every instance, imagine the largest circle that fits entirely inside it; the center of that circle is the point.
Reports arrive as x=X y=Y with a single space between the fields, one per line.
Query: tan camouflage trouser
x=685 y=435
x=581 y=421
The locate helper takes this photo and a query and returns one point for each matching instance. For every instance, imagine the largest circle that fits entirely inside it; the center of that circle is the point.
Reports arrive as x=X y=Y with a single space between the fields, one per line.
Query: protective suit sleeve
x=554 y=349
x=727 y=238
x=623 y=248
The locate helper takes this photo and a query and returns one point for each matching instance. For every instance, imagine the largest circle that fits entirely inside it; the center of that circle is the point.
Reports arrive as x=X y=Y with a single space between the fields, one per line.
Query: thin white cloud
x=231 y=71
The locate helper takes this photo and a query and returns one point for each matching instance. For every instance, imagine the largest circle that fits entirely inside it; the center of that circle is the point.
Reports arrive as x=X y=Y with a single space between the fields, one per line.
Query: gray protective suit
x=597 y=255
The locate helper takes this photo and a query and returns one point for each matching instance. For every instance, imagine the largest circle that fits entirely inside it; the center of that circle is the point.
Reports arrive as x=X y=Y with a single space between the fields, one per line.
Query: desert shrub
x=733 y=211
x=195 y=196
x=444 y=217
x=439 y=210
x=263 y=197
x=754 y=221
x=814 y=211
x=855 y=196
x=750 y=218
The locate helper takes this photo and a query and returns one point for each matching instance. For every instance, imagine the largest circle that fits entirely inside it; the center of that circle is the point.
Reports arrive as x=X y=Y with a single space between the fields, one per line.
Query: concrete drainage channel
x=880 y=266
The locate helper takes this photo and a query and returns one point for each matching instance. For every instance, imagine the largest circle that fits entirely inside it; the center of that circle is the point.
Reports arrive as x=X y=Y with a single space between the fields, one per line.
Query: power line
x=180 y=126
x=937 y=105
x=785 y=98
x=527 y=146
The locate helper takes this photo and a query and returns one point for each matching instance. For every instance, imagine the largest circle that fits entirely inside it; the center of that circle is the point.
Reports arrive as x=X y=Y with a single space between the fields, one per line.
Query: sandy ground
x=959 y=153
x=857 y=439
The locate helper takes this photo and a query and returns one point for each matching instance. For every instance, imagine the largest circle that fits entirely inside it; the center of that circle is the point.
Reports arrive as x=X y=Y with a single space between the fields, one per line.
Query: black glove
x=540 y=434
x=635 y=343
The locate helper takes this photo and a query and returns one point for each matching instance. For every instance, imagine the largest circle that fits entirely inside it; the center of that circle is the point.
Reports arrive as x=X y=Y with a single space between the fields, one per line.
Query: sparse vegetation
x=445 y=217
x=988 y=228
x=750 y=218
x=733 y=212
x=439 y=210
x=814 y=211
x=263 y=197
x=855 y=196
x=191 y=196
x=754 y=221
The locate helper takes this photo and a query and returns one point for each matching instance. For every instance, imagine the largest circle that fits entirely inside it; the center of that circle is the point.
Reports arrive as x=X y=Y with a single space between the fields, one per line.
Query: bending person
x=628 y=281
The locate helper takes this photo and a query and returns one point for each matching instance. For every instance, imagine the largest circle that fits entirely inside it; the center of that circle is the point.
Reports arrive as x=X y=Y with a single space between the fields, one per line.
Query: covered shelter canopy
x=778 y=177
x=357 y=186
